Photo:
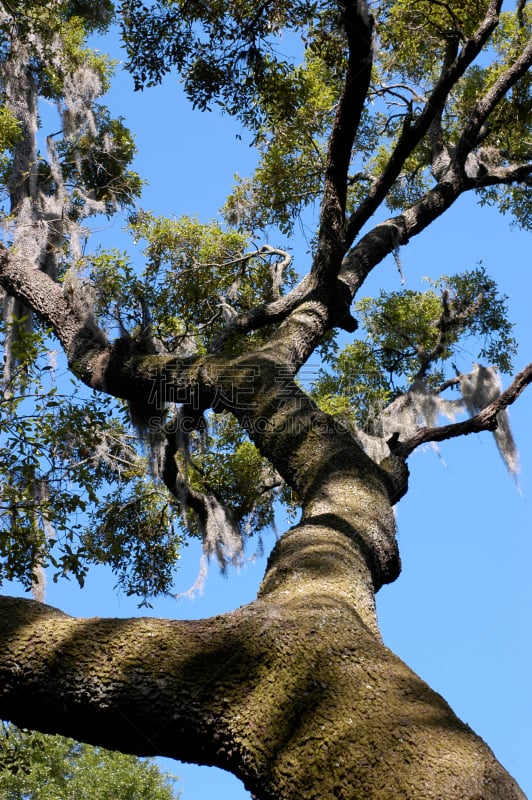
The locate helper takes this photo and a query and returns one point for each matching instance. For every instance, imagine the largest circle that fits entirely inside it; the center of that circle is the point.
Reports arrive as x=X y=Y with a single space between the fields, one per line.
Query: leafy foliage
x=225 y=53
x=85 y=168
x=133 y=530
x=233 y=468
x=60 y=455
x=292 y=147
x=235 y=56
x=412 y=335
x=35 y=766
x=85 y=477
x=197 y=277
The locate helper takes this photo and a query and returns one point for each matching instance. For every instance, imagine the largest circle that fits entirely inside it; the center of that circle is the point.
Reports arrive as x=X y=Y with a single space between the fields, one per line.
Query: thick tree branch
x=318 y=458
x=413 y=132
x=289 y=693
x=485 y=420
x=493 y=175
x=389 y=235
x=144 y=686
x=265 y=314
x=358 y=25
x=303 y=316
x=190 y=689
x=83 y=341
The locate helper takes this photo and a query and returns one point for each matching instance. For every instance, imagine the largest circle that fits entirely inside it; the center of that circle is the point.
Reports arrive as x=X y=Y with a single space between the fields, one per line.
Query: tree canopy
x=185 y=415
x=40 y=767
x=357 y=112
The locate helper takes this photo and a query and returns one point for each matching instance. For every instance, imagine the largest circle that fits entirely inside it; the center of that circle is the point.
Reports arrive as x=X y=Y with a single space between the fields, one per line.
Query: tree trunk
x=294 y=693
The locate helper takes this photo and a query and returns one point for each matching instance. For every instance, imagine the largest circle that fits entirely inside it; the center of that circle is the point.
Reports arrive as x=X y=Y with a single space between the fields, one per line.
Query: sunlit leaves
x=509 y=131
x=51 y=473
x=292 y=148
x=415 y=34
x=10 y=133
x=241 y=57
x=49 y=13
x=355 y=385
x=412 y=335
x=10 y=129
x=408 y=327
x=402 y=325
x=35 y=766
x=53 y=70
x=415 y=178
x=197 y=277
x=232 y=467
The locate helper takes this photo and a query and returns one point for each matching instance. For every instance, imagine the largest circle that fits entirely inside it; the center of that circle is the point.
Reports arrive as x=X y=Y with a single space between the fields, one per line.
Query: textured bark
x=294 y=693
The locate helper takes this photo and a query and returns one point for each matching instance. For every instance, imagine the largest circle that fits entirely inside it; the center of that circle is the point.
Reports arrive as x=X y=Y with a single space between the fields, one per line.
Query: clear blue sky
x=460 y=612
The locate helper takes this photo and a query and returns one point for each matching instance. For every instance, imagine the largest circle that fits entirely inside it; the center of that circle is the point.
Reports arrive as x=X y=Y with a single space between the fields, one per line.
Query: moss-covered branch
x=485 y=420
x=293 y=693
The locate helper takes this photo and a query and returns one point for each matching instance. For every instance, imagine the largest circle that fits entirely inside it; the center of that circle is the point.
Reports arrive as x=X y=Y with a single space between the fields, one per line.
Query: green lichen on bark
x=295 y=693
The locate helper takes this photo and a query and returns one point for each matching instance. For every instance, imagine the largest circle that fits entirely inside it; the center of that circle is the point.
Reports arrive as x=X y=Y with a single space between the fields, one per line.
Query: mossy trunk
x=294 y=693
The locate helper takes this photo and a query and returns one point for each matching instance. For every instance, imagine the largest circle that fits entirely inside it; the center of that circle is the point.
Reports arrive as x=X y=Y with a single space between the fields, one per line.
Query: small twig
x=393 y=88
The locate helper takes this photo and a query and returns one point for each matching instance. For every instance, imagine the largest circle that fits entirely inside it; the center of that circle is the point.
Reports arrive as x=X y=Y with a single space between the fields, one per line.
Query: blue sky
x=460 y=612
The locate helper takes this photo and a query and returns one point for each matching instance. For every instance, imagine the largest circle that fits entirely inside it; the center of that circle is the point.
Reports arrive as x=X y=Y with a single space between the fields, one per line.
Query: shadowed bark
x=294 y=693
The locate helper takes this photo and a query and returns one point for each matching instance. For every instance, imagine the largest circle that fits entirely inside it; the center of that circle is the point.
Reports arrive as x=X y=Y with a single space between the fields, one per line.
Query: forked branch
x=75 y=327
x=413 y=132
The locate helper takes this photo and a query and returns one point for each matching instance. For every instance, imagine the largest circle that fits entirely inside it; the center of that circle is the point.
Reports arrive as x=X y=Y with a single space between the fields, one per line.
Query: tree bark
x=294 y=693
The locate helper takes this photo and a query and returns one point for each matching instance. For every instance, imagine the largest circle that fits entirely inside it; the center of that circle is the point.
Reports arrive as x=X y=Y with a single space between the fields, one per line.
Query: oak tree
x=185 y=415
